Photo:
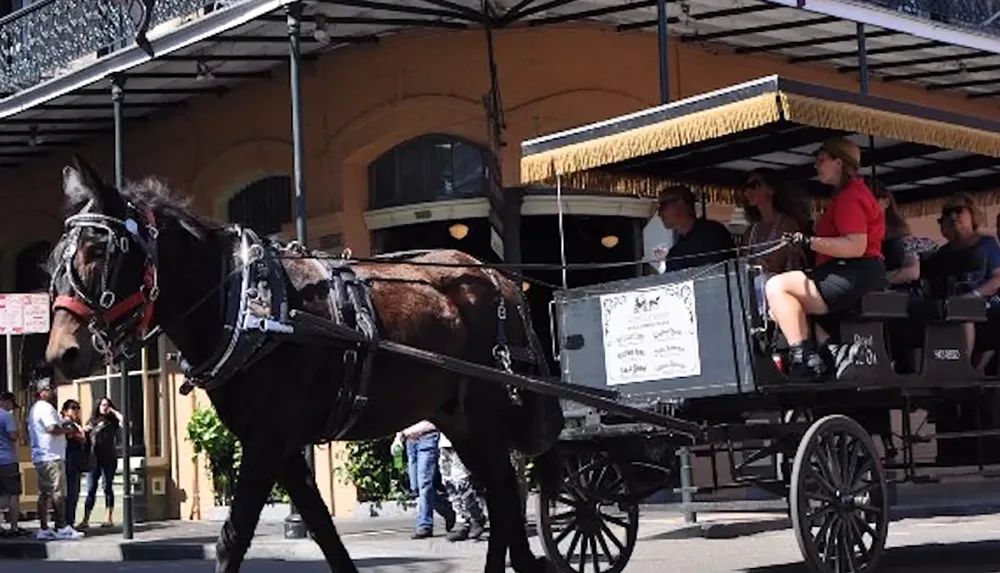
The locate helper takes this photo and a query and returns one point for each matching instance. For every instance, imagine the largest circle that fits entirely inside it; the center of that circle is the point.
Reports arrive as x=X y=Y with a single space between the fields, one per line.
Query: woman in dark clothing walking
x=103 y=430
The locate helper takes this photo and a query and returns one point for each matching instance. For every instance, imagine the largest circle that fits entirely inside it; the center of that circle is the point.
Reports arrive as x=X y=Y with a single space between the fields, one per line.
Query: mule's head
x=103 y=275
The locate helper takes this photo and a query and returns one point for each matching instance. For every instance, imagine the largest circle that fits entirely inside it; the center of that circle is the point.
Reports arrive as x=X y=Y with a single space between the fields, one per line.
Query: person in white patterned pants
x=469 y=506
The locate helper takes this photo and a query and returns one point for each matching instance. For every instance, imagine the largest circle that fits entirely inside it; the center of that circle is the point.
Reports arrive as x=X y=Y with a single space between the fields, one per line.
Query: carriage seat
x=879 y=305
x=950 y=309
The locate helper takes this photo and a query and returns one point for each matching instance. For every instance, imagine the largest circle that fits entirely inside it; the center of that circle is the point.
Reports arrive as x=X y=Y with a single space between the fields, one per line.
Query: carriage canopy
x=711 y=140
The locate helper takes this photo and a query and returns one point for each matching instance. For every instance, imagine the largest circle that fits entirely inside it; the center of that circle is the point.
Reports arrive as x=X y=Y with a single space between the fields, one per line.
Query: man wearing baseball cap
x=700 y=241
x=48 y=452
x=10 y=474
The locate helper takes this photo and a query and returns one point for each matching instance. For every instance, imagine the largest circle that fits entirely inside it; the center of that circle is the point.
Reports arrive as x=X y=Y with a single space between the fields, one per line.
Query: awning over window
x=712 y=140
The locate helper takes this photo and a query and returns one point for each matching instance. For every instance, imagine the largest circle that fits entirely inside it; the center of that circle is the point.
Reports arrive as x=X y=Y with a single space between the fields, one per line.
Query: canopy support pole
x=662 y=52
x=295 y=526
x=863 y=73
x=128 y=518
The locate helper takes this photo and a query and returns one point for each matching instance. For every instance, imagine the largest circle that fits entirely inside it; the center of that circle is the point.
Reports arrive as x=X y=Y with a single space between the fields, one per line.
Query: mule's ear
x=82 y=184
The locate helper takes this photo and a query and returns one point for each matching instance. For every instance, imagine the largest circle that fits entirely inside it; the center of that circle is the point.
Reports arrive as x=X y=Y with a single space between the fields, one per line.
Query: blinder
x=116 y=326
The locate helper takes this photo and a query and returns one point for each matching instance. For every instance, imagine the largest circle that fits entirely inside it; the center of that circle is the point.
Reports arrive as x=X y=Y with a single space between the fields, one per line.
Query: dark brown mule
x=284 y=400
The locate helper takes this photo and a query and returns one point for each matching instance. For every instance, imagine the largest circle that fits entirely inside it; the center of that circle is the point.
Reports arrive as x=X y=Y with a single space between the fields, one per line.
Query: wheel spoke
x=859 y=538
x=604 y=544
x=570 y=528
x=613 y=519
x=583 y=555
x=594 y=558
x=829 y=461
x=577 y=535
x=868 y=508
x=822 y=480
x=821 y=512
x=614 y=538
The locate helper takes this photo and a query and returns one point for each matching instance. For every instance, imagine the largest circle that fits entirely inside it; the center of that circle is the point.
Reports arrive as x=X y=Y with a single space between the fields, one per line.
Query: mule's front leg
x=253 y=485
x=301 y=487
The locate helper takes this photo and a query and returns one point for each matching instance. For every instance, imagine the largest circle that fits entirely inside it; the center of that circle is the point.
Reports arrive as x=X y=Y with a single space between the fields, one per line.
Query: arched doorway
x=430 y=187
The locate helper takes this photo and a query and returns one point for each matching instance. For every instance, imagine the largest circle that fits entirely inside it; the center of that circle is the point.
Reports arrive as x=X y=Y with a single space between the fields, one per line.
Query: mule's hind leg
x=489 y=461
x=253 y=485
x=298 y=481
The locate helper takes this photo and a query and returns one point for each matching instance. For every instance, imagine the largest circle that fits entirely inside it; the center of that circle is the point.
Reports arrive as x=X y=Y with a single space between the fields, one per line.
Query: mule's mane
x=149 y=193
x=152 y=193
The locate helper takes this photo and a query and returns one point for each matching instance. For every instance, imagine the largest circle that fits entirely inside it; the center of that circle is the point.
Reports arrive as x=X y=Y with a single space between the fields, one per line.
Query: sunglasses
x=949 y=213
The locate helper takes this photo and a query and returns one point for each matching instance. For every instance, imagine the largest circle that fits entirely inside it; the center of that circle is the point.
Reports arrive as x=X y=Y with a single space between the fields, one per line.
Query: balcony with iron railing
x=52 y=37
x=980 y=16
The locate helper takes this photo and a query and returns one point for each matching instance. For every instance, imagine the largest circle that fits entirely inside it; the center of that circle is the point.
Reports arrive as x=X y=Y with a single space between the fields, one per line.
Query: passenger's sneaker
x=45 y=535
x=68 y=533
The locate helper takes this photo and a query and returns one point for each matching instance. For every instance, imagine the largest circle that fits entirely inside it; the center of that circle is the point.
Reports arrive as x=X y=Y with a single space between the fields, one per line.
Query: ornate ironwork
x=53 y=37
x=976 y=15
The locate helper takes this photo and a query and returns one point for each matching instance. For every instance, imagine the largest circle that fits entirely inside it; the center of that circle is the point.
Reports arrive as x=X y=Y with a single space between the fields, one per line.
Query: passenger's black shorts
x=842 y=282
x=10 y=480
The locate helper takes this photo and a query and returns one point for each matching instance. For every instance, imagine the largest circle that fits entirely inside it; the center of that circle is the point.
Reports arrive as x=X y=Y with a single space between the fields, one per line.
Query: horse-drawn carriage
x=295 y=347
x=692 y=347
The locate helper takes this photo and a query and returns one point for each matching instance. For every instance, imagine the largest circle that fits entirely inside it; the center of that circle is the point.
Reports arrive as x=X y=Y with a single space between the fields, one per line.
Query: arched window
x=264 y=206
x=428 y=168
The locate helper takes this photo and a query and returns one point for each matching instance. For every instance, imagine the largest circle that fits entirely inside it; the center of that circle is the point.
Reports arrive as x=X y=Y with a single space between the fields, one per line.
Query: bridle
x=116 y=327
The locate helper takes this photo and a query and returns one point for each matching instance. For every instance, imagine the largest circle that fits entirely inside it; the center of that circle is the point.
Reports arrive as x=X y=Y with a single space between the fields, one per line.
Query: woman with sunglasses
x=848 y=251
x=969 y=263
x=772 y=210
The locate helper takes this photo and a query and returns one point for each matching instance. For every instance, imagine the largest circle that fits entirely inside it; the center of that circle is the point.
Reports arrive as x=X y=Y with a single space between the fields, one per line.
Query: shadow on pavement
x=407 y=564
x=969 y=557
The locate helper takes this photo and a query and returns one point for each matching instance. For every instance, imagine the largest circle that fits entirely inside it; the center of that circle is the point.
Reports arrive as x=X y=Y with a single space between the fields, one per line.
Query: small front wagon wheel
x=592 y=523
x=839 y=507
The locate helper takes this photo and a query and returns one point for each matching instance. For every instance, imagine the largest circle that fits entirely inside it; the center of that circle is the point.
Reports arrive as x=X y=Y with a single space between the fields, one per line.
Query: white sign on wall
x=24 y=313
x=650 y=334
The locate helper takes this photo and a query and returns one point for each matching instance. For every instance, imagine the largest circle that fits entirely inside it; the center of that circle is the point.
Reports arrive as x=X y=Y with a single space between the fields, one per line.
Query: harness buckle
x=350 y=356
x=123 y=244
x=107 y=299
x=502 y=310
x=152 y=293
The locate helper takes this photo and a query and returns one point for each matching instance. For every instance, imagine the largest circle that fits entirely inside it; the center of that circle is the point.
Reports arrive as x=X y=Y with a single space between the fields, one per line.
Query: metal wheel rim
x=839 y=504
x=589 y=527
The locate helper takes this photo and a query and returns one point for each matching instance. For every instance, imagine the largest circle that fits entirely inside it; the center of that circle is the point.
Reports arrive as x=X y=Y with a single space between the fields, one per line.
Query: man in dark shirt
x=700 y=241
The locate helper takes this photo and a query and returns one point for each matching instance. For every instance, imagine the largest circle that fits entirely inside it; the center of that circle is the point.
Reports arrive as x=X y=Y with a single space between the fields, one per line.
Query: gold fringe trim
x=691 y=128
x=849 y=117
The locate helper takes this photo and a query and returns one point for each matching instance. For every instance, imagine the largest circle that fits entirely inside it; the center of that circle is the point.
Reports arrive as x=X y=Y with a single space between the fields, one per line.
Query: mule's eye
x=96 y=251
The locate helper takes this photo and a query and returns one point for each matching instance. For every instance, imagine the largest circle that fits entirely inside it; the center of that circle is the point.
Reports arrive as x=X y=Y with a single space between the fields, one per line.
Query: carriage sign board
x=24 y=313
x=650 y=334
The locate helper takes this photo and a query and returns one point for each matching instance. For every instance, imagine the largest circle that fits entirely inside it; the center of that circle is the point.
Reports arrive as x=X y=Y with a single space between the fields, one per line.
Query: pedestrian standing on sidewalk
x=48 y=452
x=470 y=518
x=422 y=452
x=10 y=473
x=103 y=429
x=77 y=456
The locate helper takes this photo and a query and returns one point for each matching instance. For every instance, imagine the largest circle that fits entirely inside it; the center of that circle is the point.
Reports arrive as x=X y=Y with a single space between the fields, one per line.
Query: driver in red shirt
x=849 y=263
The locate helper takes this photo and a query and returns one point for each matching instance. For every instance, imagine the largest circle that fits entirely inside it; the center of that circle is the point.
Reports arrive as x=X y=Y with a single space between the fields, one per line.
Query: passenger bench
x=945 y=357
x=865 y=325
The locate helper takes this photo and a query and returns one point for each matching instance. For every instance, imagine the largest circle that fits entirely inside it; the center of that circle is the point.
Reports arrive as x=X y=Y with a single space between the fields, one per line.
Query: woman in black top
x=902 y=268
x=77 y=456
x=103 y=429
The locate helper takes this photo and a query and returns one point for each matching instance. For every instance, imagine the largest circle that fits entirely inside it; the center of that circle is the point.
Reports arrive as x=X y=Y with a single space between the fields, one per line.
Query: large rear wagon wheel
x=839 y=506
x=591 y=524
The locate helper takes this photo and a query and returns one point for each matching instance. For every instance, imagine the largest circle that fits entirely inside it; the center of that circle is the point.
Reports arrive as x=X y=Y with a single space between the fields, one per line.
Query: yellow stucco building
x=372 y=110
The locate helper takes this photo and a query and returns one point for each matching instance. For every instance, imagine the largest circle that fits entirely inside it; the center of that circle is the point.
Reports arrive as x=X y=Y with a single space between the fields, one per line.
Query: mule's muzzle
x=66 y=351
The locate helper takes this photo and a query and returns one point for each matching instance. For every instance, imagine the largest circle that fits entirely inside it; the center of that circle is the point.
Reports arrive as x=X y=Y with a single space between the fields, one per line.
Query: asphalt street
x=940 y=545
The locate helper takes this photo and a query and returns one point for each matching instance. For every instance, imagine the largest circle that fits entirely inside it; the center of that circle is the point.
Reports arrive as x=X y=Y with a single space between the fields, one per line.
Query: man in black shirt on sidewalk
x=700 y=241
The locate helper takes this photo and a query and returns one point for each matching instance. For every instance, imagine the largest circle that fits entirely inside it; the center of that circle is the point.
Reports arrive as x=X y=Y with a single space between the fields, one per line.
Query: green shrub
x=224 y=453
x=370 y=468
